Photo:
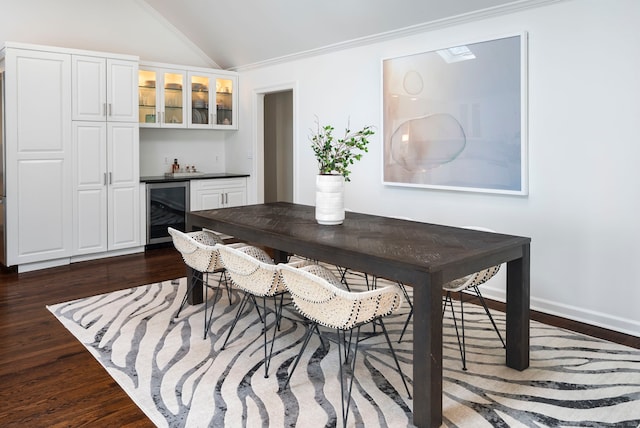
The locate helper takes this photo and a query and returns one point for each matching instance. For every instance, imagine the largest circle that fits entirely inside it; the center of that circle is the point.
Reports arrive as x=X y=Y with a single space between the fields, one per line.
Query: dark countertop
x=162 y=178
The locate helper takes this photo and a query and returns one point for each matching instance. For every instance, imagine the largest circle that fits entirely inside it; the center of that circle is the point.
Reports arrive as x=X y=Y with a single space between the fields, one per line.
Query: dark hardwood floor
x=47 y=378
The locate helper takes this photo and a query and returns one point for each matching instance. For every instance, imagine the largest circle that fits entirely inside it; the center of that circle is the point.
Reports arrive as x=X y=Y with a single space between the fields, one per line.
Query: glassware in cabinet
x=200 y=100
x=173 y=98
x=147 y=102
x=224 y=101
x=162 y=97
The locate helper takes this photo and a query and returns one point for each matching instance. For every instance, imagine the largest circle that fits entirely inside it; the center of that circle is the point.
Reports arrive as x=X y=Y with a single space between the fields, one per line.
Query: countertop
x=162 y=178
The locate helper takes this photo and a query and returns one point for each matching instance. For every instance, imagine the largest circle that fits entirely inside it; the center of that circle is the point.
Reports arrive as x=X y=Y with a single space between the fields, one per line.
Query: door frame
x=258 y=132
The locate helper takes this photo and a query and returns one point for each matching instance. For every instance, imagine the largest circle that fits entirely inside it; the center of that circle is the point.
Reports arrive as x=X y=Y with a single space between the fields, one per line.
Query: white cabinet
x=104 y=89
x=106 y=202
x=175 y=96
x=162 y=98
x=38 y=155
x=209 y=194
x=213 y=100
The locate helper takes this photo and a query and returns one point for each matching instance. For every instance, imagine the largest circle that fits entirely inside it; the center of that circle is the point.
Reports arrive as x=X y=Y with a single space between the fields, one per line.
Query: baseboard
x=585 y=316
x=30 y=267
x=95 y=256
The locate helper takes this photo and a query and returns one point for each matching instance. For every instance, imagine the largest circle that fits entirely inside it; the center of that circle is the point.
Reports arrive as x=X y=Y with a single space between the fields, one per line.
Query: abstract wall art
x=455 y=118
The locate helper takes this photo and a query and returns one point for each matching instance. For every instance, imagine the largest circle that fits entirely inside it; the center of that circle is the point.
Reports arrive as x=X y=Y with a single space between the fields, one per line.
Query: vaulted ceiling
x=239 y=33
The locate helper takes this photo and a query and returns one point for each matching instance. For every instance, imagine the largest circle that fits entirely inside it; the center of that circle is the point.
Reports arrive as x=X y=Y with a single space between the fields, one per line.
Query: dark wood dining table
x=422 y=255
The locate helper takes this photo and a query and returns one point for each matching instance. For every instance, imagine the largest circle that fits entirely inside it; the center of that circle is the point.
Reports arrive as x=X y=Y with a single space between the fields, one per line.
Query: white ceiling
x=243 y=32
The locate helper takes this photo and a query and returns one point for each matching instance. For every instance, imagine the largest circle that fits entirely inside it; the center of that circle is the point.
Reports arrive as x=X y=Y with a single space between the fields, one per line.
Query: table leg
x=518 y=311
x=196 y=295
x=427 y=352
x=280 y=256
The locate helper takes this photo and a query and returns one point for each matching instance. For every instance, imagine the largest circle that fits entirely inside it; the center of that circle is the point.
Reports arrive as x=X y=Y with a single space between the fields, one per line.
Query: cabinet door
x=149 y=98
x=122 y=93
x=123 y=177
x=212 y=101
x=90 y=187
x=174 y=99
x=208 y=199
x=226 y=99
x=200 y=115
x=38 y=156
x=161 y=98
x=235 y=197
x=89 y=90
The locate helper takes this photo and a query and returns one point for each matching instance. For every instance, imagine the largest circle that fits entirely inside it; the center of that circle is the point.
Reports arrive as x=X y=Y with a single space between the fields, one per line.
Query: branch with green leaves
x=336 y=155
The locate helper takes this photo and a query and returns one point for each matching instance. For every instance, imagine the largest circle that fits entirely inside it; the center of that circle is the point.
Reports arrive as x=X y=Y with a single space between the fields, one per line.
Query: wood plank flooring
x=48 y=379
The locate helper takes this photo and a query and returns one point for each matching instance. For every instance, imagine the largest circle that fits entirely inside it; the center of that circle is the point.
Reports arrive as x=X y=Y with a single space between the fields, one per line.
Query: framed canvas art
x=455 y=118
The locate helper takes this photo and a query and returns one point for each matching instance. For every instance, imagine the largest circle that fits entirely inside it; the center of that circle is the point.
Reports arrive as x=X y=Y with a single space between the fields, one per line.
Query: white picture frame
x=455 y=118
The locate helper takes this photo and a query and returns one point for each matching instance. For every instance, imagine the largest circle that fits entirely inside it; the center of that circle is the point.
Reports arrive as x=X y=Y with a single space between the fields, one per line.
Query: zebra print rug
x=180 y=380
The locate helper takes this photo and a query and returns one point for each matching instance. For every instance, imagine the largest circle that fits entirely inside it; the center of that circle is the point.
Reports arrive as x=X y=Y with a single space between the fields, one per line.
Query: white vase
x=329 y=199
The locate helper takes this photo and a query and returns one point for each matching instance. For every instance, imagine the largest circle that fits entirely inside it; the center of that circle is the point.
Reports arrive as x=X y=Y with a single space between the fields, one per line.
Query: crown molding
x=506 y=9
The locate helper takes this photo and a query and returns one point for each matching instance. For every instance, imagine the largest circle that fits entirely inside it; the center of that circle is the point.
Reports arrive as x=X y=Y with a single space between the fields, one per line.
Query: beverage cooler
x=167 y=206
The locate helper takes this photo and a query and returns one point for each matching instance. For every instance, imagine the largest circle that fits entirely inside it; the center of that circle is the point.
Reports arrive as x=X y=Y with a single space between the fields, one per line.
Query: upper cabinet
x=171 y=96
x=162 y=97
x=104 y=89
x=213 y=101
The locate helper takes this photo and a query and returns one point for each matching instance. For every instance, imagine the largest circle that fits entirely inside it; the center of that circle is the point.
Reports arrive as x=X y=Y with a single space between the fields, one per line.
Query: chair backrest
x=251 y=269
x=197 y=249
x=321 y=301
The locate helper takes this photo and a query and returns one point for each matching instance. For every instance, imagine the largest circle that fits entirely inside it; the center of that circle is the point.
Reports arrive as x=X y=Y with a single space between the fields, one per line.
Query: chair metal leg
x=243 y=303
x=395 y=358
x=408 y=298
x=209 y=319
x=192 y=282
x=486 y=309
x=345 y=408
x=276 y=327
x=461 y=343
x=307 y=336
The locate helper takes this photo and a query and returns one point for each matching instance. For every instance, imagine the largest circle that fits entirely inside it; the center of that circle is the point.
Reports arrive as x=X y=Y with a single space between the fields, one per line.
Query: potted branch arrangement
x=335 y=156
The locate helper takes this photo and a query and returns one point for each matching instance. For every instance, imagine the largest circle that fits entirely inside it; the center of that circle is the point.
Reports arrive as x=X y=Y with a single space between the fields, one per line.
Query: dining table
x=421 y=255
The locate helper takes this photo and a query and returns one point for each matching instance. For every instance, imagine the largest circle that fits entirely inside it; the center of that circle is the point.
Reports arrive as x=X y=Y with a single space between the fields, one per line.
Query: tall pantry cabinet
x=106 y=175
x=38 y=160
x=72 y=155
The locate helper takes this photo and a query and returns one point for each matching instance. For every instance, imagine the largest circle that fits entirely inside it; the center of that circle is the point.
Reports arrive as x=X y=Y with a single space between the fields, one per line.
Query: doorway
x=278 y=146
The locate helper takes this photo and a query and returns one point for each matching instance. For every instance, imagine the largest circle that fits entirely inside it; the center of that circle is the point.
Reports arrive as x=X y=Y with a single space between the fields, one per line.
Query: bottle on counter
x=176 y=166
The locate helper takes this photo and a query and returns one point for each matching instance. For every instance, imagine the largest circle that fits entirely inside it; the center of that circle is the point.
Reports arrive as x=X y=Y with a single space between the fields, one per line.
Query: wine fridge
x=167 y=206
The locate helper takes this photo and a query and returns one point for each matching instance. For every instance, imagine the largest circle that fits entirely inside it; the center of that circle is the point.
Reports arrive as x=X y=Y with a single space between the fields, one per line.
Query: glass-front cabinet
x=213 y=101
x=162 y=97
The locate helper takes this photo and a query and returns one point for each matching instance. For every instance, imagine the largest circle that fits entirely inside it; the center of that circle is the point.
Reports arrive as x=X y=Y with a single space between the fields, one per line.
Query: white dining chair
x=318 y=296
x=199 y=253
x=253 y=271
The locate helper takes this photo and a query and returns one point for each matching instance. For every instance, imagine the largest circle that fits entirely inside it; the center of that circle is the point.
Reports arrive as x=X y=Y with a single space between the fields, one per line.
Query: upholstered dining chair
x=252 y=270
x=466 y=286
x=199 y=253
x=317 y=295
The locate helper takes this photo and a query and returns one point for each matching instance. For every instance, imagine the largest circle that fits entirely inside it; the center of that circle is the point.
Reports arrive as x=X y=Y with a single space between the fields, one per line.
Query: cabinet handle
x=110 y=181
x=109 y=109
x=104 y=109
x=105 y=179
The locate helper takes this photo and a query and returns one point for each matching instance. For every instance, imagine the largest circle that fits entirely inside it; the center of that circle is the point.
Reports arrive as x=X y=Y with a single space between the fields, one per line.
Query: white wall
x=159 y=147
x=584 y=180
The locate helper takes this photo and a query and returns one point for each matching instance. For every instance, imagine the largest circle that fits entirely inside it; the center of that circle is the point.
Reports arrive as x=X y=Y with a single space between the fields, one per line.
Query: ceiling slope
x=237 y=34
